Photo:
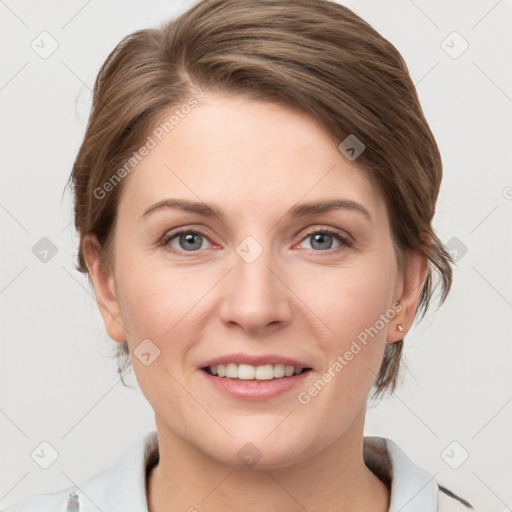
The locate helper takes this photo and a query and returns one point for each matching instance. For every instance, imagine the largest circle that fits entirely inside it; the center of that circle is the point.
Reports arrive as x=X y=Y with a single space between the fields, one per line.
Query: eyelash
x=344 y=241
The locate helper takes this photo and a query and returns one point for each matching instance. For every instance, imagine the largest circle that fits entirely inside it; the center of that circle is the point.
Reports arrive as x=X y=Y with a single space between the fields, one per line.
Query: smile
x=250 y=372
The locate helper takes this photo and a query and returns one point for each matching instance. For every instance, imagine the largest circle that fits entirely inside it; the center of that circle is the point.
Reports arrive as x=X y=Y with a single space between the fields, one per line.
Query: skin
x=255 y=161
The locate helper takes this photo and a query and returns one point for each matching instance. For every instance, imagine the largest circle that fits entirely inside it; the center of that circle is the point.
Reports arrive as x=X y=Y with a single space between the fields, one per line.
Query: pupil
x=319 y=238
x=189 y=238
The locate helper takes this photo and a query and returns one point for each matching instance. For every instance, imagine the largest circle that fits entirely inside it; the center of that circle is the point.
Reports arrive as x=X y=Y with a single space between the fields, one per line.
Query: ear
x=104 y=289
x=408 y=295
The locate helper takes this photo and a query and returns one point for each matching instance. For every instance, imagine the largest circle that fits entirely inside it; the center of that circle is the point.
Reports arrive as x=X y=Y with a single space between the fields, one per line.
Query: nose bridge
x=253 y=277
x=255 y=296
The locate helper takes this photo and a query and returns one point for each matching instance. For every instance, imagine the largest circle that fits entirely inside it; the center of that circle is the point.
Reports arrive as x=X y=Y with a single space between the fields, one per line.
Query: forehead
x=246 y=156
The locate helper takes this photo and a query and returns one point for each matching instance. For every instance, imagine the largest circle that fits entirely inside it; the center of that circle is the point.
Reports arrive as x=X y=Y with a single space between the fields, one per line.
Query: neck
x=334 y=479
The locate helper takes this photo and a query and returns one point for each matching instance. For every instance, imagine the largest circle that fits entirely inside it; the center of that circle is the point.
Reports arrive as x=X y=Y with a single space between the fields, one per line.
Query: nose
x=255 y=295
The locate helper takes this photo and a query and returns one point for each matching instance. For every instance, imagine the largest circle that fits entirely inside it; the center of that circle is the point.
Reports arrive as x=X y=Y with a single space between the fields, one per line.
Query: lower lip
x=255 y=389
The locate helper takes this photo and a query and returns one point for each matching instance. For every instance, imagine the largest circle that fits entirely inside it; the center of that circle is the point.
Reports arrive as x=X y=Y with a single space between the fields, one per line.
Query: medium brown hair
x=318 y=57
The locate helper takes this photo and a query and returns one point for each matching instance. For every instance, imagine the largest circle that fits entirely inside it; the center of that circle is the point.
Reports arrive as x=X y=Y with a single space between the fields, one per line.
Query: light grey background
x=58 y=381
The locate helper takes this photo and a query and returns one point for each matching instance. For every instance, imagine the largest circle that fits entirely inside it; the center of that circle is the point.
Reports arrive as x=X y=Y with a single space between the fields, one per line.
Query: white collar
x=412 y=488
x=122 y=487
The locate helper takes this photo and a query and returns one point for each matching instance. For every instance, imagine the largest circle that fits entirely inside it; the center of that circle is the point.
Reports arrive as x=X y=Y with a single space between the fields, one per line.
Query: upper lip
x=254 y=360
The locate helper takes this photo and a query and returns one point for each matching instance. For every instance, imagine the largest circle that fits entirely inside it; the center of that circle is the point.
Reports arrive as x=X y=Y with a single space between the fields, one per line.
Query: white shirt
x=122 y=487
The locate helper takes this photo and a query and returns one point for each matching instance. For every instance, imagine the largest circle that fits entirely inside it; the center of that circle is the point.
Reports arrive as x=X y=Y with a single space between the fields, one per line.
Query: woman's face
x=259 y=282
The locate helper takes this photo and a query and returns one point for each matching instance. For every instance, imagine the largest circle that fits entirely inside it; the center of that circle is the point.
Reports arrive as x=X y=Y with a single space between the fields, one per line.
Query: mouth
x=248 y=372
x=245 y=376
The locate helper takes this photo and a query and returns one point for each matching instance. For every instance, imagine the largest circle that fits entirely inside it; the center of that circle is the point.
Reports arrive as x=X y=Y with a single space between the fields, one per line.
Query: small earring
x=399 y=327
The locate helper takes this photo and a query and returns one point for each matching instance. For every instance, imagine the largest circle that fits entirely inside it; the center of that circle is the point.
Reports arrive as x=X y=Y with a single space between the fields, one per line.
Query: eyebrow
x=296 y=211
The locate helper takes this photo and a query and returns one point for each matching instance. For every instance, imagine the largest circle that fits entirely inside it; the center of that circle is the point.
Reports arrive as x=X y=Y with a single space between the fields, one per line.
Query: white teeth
x=232 y=371
x=249 y=372
x=278 y=371
x=246 y=371
x=288 y=371
x=264 y=372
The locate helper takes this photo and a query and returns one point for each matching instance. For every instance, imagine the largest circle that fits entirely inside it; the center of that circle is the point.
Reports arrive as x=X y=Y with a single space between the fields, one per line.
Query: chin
x=260 y=448
x=256 y=456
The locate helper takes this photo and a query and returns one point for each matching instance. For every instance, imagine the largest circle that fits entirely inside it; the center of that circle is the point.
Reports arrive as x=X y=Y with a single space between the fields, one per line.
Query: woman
x=285 y=143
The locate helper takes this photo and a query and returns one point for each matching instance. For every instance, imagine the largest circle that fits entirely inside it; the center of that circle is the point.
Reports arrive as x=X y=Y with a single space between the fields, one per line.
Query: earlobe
x=413 y=280
x=104 y=290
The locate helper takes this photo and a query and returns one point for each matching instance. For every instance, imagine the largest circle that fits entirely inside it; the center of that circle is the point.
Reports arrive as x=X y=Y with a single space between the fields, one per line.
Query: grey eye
x=190 y=241
x=321 y=241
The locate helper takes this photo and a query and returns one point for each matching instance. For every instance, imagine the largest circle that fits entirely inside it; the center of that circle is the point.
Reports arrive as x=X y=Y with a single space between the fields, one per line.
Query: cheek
x=349 y=300
x=152 y=295
x=355 y=305
x=162 y=304
x=154 y=309
x=353 y=356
